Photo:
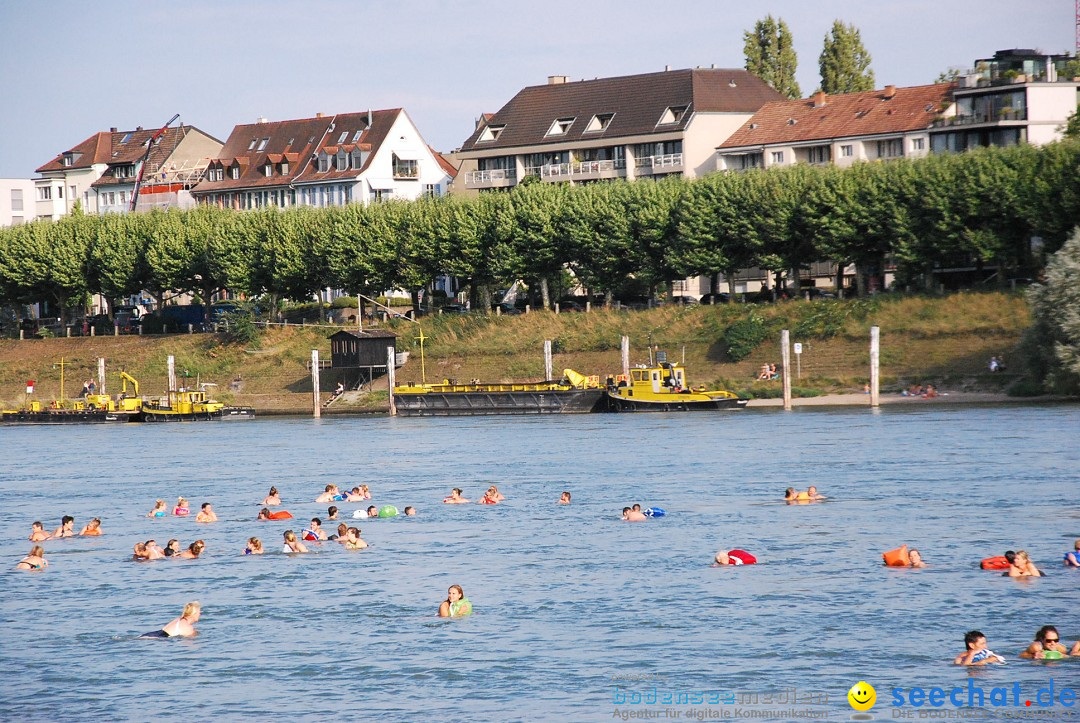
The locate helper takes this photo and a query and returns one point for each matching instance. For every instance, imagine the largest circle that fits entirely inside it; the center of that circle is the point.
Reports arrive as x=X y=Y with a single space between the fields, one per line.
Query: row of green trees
x=986 y=204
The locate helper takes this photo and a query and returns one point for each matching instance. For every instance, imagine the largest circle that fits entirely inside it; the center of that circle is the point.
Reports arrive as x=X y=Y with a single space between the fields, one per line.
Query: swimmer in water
x=790 y=494
x=916 y=558
x=331 y=512
x=812 y=493
x=365 y=491
x=455 y=497
x=153 y=552
x=733 y=557
x=254 y=546
x=172 y=548
x=315 y=532
x=977 y=653
x=292 y=544
x=206 y=514
x=181 y=509
x=456 y=604
x=328 y=494
x=1072 y=559
x=183 y=626
x=339 y=536
x=93 y=528
x=33 y=561
x=494 y=493
x=160 y=509
x=630 y=514
x=491 y=497
x=373 y=511
x=1022 y=566
x=564 y=498
x=194 y=550
x=353 y=541
x=140 y=554
x=38 y=533
x=1047 y=639
x=66 y=528
x=273 y=499
x=410 y=511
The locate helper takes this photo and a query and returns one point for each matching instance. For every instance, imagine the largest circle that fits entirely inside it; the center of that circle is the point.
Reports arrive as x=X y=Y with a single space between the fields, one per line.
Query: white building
x=17 y=204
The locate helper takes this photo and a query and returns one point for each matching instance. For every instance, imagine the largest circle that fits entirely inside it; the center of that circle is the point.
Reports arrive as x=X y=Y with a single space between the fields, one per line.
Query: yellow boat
x=664 y=388
x=575 y=393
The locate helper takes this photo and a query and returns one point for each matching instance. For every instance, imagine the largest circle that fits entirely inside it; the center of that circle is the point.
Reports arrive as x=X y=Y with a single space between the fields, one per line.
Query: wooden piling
x=785 y=352
x=172 y=373
x=626 y=356
x=547 y=359
x=391 y=377
x=875 y=365
x=316 y=403
x=101 y=375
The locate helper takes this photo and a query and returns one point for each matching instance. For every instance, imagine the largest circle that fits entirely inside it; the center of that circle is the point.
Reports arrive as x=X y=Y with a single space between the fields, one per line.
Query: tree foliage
x=770 y=55
x=844 y=62
x=1054 y=338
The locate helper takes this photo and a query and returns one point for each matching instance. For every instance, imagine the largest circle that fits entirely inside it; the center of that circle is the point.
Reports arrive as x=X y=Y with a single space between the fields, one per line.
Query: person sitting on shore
x=930 y=392
x=292 y=544
x=564 y=498
x=38 y=533
x=160 y=509
x=184 y=626
x=353 y=541
x=153 y=552
x=1048 y=640
x=1022 y=566
x=455 y=497
x=328 y=495
x=996 y=365
x=273 y=499
x=456 y=604
x=66 y=528
x=1072 y=559
x=172 y=548
x=194 y=550
x=315 y=532
x=33 y=561
x=733 y=557
x=206 y=514
x=181 y=509
x=254 y=546
x=977 y=653
x=763 y=375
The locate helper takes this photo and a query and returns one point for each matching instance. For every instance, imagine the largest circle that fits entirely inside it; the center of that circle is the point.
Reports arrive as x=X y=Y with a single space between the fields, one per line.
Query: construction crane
x=149 y=147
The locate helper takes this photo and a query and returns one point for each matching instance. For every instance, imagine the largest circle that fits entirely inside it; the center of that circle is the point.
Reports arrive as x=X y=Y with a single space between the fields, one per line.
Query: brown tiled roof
x=637 y=101
x=297 y=140
x=843 y=116
x=109 y=148
x=450 y=169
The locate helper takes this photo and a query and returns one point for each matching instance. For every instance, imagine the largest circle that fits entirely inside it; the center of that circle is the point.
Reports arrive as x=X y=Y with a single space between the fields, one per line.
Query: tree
x=1053 y=340
x=770 y=55
x=948 y=76
x=844 y=62
x=1072 y=126
x=595 y=222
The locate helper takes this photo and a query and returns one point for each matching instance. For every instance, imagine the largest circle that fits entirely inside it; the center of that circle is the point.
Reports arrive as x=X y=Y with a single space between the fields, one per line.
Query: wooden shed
x=361 y=349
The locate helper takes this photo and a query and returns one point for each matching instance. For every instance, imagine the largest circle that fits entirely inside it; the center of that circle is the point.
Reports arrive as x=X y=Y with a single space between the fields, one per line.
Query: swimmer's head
x=410 y=511
x=915 y=556
x=811 y=490
x=330 y=488
x=172 y=545
x=1022 y=556
x=564 y=497
x=192 y=611
x=94 y=523
x=457 y=491
x=140 y=548
x=364 y=488
x=37 y=526
x=722 y=558
x=273 y=491
x=789 y=493
x=625 y=511
x=342 y=529
x=1010 y=556
x=264 y=514
x=1041 y=635
x=181 y=502
x=205 y=507
x=290 y=536
x=67 y=520
x=37 y=551
x=974 y=639
x=197 y=547
x=373 y=511
x=331 y=511
x=637 y=508
x=455 y=593
x=1076 y=545
x=316 y=522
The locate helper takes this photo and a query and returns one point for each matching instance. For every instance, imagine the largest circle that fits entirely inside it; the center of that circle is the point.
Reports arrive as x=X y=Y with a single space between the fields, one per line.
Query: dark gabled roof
x=843 y=116
x=130 y=153
x=637 y=101
x=297 y=141
x=109 y=148
x=366 y=334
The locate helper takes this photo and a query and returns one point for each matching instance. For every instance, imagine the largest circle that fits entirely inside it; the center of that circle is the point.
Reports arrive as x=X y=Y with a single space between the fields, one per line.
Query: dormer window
x=599 y=122
x=284 y=168
x=491 y=133
x=262 y=144
x=342 y=137
x=234 y=172
x=341 y=163
x=268 y=169
x=673 y=114
x=357 y=160
x=560 y=127
x=68 y=159
x=126 y=138
x=323 y=162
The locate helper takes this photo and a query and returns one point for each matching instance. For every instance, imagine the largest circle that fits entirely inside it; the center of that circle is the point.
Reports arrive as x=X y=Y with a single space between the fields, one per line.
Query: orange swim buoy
x=998 y=562
x=897 y=558
x=280 y=515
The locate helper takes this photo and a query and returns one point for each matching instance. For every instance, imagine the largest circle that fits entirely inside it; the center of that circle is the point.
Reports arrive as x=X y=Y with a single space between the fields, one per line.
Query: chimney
x=890 y=91
x=112 y=130
x=260 y=119
x=138 y=128
x=369 y=118
x=819 y=99
x=558 y=79
x=667 y=68
x=318 y=115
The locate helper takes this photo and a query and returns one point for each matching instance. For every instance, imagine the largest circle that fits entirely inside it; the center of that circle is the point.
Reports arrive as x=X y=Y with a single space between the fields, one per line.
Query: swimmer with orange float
x=92 y=529
x=456 y=604
x=181 y=627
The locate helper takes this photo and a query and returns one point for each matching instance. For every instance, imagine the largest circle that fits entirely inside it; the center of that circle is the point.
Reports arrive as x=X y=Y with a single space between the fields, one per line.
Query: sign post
x=29 y=387
x=798 y=359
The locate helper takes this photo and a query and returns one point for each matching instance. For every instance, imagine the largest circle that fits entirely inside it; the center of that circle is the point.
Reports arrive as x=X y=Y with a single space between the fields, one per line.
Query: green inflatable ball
x=1052 y=655
x=388 y=511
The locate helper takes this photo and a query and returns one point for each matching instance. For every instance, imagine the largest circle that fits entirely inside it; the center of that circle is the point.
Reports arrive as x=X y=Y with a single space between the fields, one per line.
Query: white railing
x=580 y=168
x=669 y=160
x=497 y=174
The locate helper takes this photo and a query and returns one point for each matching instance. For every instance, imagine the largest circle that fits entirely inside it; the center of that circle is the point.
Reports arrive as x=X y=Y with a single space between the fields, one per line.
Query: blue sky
x=72 y=68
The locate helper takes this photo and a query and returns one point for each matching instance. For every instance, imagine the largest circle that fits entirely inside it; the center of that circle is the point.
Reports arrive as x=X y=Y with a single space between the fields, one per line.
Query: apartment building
x=1017 y=96
x=637 y=126
x=838 y=129
x=100 y=172
x=327 y=160
x=16 y=201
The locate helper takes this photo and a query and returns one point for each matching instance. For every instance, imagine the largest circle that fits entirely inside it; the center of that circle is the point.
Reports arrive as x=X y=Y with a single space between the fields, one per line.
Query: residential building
x=100 y=172
x=838 y=129
x=1017 y=96
x=16 y=201
x=635 y=126
x=328 y=160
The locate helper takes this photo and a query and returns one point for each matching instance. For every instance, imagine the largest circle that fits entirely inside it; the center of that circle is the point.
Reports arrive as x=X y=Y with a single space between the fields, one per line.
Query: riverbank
x=943 y=341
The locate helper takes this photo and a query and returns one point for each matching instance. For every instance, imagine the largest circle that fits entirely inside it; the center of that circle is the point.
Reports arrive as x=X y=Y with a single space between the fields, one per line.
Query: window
x=112 y=198
x=378 y=195
x=917 y=144
x=44 y=193
x=284 y=168
x=406 y=168
x=751 y=160
x=357 y=160
x=819 y=154
x=341 y=161
x=268 y=169
x=68 y=159
x=251 y=146
x=59 y=191
x=262 y=144
x=16 y=199
x=431 y=190
x=324 y=163
x=776 y=157
x=342 y=137
x=846 y=151
x=673 y=114
x=123 y=198
x=126 y=138
x=560 y=126
x=491 y=133
x=235 y=172
x=356 y=136
x=599 y=122
x=73 y=192
x=890 y=149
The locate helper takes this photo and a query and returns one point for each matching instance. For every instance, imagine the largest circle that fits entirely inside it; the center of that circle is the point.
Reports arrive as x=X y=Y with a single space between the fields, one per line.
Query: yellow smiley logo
x=862 y=696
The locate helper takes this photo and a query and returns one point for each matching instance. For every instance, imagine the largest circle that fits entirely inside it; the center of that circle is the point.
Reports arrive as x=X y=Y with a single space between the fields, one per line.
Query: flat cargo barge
x=575 y=394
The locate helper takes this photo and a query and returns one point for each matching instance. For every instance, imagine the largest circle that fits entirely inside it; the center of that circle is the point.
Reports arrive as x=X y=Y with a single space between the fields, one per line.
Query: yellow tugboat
x=186 y=405
x=664 y=388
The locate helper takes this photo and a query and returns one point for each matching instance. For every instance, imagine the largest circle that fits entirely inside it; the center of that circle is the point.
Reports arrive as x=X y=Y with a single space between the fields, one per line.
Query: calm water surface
x=566 y=598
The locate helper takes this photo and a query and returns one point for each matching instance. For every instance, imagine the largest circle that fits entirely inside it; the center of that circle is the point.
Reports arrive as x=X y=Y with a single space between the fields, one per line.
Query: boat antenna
x=396 y=315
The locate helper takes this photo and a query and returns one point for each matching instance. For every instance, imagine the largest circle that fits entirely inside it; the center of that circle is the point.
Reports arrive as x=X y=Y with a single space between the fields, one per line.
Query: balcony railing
x=965 y=120
x=666 y=161
x=491 y=176
x=555 y=171
x=406 y=171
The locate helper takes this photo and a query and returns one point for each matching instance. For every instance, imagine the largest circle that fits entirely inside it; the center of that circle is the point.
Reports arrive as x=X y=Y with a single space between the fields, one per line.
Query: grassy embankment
x=945 y=341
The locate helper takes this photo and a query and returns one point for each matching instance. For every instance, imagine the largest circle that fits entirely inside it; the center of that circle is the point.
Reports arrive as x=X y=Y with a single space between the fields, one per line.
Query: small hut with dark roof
x=363 y=350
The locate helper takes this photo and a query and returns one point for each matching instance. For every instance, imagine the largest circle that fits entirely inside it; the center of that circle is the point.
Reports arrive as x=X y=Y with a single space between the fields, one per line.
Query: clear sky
x=73 y=67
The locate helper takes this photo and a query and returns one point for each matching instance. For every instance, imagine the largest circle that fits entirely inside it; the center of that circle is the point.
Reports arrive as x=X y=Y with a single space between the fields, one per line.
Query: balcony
x=981 y=118
x=667 y=163
x=495 y=178
x=583 y=170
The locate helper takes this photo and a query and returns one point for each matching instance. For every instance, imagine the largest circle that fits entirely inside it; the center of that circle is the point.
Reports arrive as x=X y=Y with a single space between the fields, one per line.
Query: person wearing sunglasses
x=1047 y=644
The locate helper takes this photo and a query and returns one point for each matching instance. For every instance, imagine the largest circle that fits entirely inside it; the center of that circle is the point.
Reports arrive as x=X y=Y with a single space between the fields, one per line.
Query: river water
x=573 y=608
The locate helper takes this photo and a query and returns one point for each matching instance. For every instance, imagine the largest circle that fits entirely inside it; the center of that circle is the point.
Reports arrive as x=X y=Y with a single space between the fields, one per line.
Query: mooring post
x=316 y=405
x=785 y=352
x=391 y=377
x=547 y=360
x=101 y=375
x=556 y=307
x=875 y=365
x=172 y=373
x=91 y=331
x=21 y=335
x=626 y=356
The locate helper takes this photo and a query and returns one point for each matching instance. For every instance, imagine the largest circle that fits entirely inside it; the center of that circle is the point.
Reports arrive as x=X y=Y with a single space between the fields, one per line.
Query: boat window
x=655 y=376
x=639 y=376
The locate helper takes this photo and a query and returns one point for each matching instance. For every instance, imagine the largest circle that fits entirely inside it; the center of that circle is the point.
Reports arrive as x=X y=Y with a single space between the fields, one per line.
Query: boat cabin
x=665 y=377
